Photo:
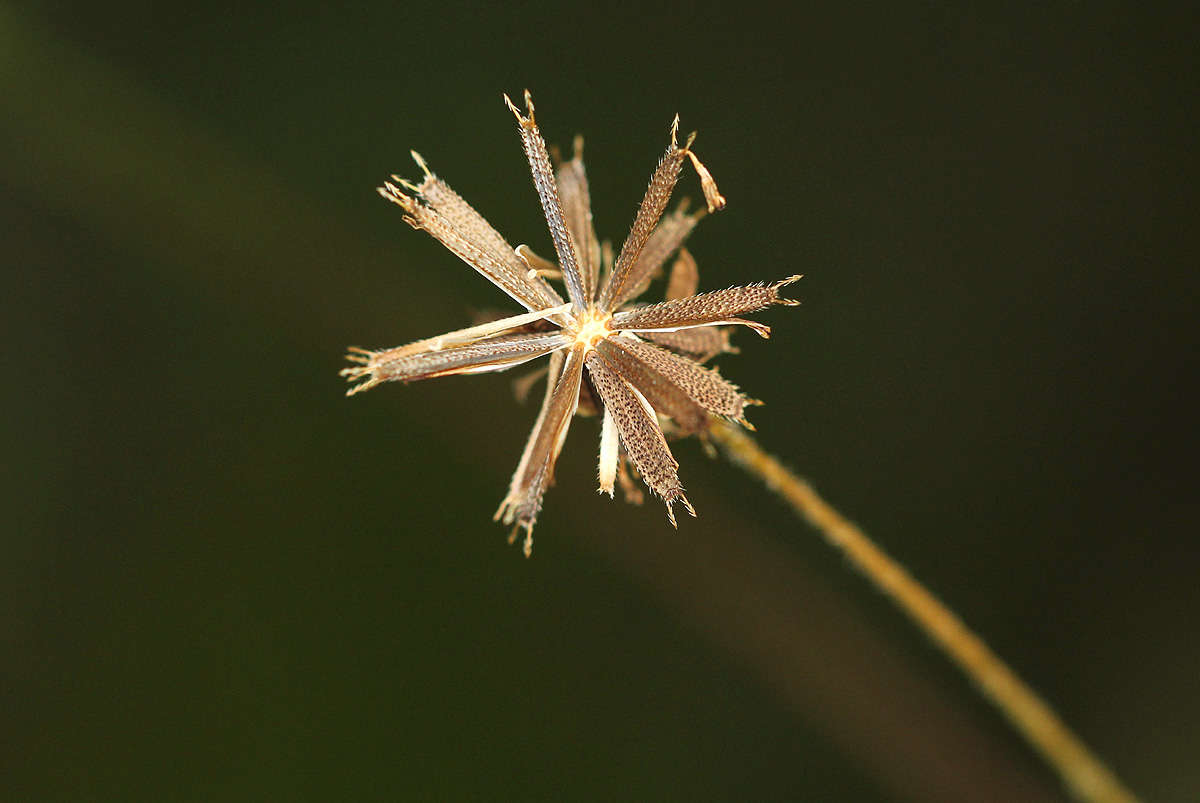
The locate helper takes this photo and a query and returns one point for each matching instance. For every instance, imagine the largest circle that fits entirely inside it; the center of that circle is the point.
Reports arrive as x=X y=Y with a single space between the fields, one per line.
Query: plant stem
x=1084 y=774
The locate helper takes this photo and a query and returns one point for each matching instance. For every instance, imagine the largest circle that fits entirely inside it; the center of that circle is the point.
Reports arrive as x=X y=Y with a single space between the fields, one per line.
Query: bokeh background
x=224 y=581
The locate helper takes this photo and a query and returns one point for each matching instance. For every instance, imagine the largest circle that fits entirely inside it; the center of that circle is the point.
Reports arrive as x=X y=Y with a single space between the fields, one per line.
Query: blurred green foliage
x=224 y=581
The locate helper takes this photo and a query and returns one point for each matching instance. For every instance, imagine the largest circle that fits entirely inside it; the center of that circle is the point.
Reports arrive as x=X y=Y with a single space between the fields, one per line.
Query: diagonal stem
x=1083 y=773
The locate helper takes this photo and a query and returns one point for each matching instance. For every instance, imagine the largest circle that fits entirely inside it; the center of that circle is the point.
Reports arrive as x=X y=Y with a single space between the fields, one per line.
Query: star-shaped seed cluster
x=640 y=367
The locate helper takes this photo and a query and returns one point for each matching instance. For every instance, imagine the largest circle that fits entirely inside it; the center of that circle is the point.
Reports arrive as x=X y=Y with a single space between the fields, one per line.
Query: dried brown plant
x=644 y=372
x=644 y=375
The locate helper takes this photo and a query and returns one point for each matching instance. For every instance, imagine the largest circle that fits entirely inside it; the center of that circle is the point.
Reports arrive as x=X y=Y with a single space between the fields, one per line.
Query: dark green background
x=224 y=581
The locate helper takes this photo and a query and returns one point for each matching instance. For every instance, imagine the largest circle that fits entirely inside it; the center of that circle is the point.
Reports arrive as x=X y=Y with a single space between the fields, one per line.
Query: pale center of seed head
x=592 y=328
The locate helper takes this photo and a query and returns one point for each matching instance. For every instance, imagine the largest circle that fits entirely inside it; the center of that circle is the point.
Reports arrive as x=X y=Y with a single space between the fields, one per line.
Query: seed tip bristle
x=787 y=302
x=512 y=107
x=420 y=160
x=391 y=192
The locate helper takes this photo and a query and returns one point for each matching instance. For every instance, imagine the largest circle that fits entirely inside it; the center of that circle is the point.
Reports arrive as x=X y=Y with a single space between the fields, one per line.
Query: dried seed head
x=642 y=362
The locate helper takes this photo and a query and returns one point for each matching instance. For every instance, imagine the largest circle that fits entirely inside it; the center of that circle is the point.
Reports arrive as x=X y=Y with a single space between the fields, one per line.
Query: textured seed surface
x=666 y=398
x=703 y=386
x=640 y=433
x=701 y=343
x=719 y=305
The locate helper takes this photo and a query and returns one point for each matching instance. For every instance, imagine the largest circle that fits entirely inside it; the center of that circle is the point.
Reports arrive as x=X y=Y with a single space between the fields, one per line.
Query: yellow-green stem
x=1084 y=774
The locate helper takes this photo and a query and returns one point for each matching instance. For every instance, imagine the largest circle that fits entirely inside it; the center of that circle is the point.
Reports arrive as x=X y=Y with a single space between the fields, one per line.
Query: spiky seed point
x=787 y=302
x=420 y=160
x=387 y=192
x=526 y=122
x=415 y=189
x=512 y=107
x=683 y=500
